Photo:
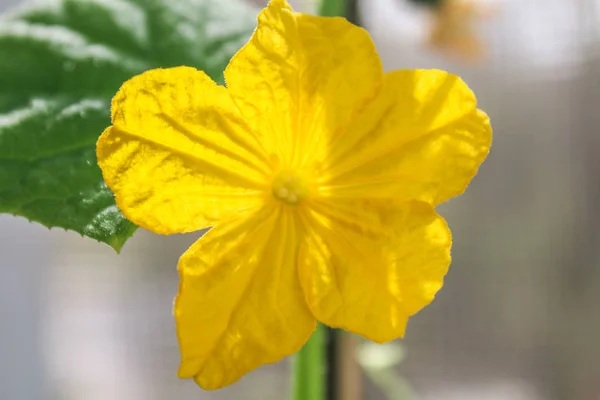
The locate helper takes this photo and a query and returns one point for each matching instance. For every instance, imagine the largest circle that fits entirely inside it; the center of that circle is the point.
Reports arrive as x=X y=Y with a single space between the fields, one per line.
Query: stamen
x=290 y=187
x=283 y=193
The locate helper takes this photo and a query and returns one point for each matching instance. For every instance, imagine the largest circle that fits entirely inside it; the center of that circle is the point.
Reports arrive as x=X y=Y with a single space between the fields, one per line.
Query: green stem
x=332 y=8
x=309 y=368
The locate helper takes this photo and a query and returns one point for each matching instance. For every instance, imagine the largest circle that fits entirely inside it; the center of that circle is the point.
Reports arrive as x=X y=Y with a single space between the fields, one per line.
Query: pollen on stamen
x=290 y=188
x=283 y=193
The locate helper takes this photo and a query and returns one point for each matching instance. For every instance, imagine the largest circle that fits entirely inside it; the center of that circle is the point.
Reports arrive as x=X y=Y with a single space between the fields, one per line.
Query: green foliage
x=60 y=64
x=427 y=3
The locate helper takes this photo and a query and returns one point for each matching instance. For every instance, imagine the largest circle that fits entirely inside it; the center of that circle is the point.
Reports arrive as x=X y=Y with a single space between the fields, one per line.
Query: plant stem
x=340 y=8
x=309 y=368
x=332 y=8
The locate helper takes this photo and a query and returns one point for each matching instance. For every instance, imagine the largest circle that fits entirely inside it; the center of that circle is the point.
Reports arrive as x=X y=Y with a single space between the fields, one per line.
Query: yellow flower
x=319 y=174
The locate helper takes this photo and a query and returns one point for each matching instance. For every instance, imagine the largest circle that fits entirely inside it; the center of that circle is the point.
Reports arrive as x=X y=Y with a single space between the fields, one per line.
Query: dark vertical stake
x=331 y=353
x=332 y=340
x=352 y=12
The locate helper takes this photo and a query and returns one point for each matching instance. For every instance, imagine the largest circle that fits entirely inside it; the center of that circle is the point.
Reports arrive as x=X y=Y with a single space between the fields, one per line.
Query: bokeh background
x=518 y=317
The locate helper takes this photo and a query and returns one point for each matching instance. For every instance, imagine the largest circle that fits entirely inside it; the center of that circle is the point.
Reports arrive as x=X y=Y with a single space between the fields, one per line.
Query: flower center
x=290 y=188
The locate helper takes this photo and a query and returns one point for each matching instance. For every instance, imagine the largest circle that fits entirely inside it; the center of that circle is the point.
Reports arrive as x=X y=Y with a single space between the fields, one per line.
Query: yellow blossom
x=319 y=175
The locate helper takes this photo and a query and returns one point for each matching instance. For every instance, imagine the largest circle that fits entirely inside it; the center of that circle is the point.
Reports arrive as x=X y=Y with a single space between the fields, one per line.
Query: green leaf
x=60 y=64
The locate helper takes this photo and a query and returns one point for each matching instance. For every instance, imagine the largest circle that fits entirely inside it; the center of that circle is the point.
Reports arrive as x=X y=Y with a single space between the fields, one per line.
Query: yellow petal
x=240 y=304
x=300 y=79
x=367 y=265
x=422 y=139
x=178 y=156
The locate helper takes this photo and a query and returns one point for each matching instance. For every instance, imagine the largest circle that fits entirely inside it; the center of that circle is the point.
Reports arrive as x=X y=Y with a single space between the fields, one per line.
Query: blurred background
x=518 y=317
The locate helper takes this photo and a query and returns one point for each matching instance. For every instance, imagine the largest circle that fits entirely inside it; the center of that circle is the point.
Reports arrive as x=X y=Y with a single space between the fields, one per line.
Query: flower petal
x=178 y=156
x=422 y=139
x=367 y=266
x=240 y=304
x=300 y=79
